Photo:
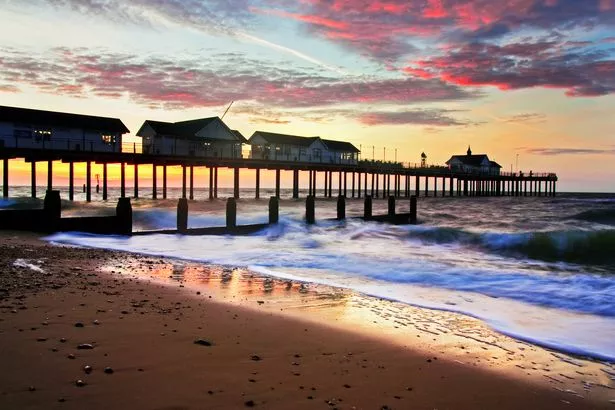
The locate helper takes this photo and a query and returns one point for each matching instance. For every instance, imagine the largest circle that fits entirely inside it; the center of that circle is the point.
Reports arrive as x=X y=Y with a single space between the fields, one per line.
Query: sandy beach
x=94 y=329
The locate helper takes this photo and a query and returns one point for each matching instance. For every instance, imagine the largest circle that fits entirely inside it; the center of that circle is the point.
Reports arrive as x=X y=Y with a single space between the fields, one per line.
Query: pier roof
x=61 y=119
x=340 y=146
x=471 y=160
x=285 y=139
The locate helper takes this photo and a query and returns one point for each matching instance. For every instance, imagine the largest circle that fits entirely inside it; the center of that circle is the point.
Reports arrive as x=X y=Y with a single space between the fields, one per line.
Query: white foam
x=22 y=263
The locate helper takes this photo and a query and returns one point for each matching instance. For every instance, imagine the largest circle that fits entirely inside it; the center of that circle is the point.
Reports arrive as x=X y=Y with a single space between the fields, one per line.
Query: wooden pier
x=378 y=180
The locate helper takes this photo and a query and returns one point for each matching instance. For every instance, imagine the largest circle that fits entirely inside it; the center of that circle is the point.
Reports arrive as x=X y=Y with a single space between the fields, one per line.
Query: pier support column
x=88 y=181
x=5 y=177
x=389 y=186
x=277 y=183
x=310 y=182
x=154 y=183
x=184 y=196
x=216 y=182
x=365 y=185
x=211 y=183
x=417 y=185
x=105 y=185
x=71 y=181
x=310 y=211
x=435 y=186
x=339 y=183
x=443 y=186
x=352 y=187
x=257 y=194
x=358 y=185
x=123 y=180
x=295 y=183
x=49 y=175
x=330 y=184
x=33 y=178
x=391 y=208
x=377 y=195
x=451 y=191
x=326 y=184
x=164 y=181
x=465 y=187
x=136 y=180
x=372 y=186
x=426 y=186
x=525 y=188
x=236 y=183
x=191 y=182
x=345 y=184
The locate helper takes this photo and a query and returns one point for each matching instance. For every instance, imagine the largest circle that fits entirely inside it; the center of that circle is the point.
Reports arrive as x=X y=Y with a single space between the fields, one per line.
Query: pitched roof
x=240 y=136
x=61 y=119
x=340 y=146
x=285 y=139
x=185 y=129
x=494 y=164
x=471 y=160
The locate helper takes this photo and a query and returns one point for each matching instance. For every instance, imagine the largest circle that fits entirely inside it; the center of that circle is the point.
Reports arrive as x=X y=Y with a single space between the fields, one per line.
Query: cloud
x=569 y=151
x=523 y=65
x=525 y=117
x=433 y=118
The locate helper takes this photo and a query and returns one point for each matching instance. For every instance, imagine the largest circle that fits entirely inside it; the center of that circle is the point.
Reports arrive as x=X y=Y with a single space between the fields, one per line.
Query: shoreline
x=342 y=339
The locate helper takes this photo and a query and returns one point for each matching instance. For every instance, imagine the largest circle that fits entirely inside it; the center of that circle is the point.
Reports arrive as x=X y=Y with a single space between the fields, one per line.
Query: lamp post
x=395 y=154
x=517 y=164
x=384 y=157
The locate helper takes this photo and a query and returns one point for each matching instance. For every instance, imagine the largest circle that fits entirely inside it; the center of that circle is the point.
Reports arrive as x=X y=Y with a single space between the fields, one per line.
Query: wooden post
x=164 y=181
x=49 y=175
x=274 y=207
x=88 y=181
x=257 y=194
x=71 y=181
x=182 y=215
x=353 y=182
x=359 y=185
x=295 y=183
x=277 y=183
x=417 y=185
x=236 y=183
x=345 y=184
x=435 y=186
x=184 y=181
x=373 y=180
x=310 y=212
x=391 y=210
x=339 y=184
x=211 y=183
x=215 y=182
x=231 y=213
x=326 y=184
x=5 y=177
x=52 y=206
x=413 y=209
x=377 y=183
x=123 y=180
x=123 y=213
x=136 y=180
x=367 y=208
x=426 y=186
x=191 y=182
x=154 y=183
x=105 y=185
x=365 y=184
x=330 y=184
x=310 y=182
x=341 y=208
x=33 y=177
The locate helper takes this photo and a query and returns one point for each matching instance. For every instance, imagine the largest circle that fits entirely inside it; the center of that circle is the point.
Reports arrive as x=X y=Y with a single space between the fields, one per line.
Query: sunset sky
x=533 y=79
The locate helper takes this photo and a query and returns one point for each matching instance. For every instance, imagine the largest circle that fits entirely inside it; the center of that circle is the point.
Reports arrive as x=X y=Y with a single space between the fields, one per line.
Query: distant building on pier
x=473 y=163
x=50 y=130
x=284 y=147
x=205 y=137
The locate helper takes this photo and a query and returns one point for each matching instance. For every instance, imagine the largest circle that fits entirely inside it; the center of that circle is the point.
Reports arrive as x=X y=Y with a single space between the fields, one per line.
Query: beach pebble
x=80 y=383
x=63 y=340
x=108 y=370
x=31 y=388
x=87 y=369
x=41 y=339
x=202 y=342
x=250 y=403
x=85 y=346
x=256 y=358
x=96 y=322
x=79 y=324
x=71 y=356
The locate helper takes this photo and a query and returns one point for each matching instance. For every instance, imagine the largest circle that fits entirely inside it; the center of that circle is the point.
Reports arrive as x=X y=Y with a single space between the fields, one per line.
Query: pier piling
x=310 y=214
x=341 y=208
x=33 y=178
x=391 y=210
x=413 y=209
x=367 y=208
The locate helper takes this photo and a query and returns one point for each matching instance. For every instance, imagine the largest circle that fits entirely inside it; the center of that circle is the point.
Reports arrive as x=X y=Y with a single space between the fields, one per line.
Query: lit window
x=207 y=145
x=42 y=134
x=108 y=139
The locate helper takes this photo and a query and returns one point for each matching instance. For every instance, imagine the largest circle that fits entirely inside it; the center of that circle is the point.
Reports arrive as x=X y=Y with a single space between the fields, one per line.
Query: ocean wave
x=602 y=216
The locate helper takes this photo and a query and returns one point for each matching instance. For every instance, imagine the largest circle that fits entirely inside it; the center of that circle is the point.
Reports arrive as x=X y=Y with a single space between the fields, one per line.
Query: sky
x=531 y=83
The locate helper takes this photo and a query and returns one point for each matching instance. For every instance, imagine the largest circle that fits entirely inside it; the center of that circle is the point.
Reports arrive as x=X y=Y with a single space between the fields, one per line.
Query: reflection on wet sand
x=445 y=335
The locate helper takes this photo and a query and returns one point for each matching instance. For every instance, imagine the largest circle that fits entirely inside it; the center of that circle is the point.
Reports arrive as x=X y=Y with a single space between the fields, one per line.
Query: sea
x=538 y=269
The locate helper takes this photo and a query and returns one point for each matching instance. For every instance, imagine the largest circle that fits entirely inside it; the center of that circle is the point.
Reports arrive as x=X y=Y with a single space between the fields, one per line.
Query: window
x=22 y=133
x=42 y=134
x=317 y=152
x=108 y=139
x=287 y=149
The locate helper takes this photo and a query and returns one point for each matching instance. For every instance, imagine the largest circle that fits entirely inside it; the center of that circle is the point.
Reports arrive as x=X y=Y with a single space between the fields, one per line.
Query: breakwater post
x=413 y=209
x=123 y=213
x=391 y=211
x=367 y=208
x=341 y=208
x=231 y=213
x=182 y=214
x=274 y=207
x=310 y=214
x=52 y=206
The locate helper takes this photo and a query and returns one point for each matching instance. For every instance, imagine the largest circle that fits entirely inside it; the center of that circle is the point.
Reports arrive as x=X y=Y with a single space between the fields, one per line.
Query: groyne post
x=413 y=209
x=164 y=181
x=184 y=181
x=211 y=183
x=182 y=214
x=105 y=193
x=5 y=177
x=310 y=212
x=257 y=193
x=231 y=213
x=71 y=181
x=123 y=213
x=391 y=210
x=52 y=206
x=88 y=180
x=49 y=175
x=191 y=182
x=136 y=172
x=33 y=178
x=274 y=209
x=341 y=208
x=367 y=208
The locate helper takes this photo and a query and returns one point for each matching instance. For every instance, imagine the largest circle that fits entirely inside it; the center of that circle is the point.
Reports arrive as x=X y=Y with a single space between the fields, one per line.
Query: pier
x=379 y=180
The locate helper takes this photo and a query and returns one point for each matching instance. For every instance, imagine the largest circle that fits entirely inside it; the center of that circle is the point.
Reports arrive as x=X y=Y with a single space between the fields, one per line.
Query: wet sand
x=261 y=343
